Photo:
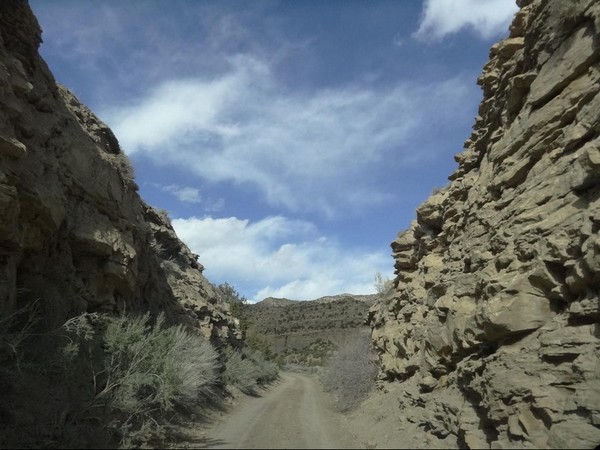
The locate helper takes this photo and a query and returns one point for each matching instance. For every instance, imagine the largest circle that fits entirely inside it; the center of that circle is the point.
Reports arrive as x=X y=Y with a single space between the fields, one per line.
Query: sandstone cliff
x=494 y=326
x=74 y=233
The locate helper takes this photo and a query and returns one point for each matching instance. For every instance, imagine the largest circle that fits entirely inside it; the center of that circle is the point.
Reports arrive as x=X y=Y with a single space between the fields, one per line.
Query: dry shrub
x=239 y=371
x=142 y=375
x=350 y=375
x=246 y=370
x=99 y=381
x=267 y=371
x=15 y=329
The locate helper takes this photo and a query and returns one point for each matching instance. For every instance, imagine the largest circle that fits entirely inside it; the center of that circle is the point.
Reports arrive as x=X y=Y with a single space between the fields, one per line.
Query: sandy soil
x=294 y=413
x=385 y=420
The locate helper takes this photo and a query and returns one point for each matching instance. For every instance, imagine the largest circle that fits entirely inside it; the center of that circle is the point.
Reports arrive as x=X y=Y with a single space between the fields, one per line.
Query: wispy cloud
x=304 y=151
x=278 y=256
x=184 y=194
x=85 y=40
x=488 y=18
x=98 y=37
x=191 y=196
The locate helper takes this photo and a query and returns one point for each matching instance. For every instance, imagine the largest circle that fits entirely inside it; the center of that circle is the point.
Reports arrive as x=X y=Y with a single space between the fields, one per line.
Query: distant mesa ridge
x=280 y=301
x=307 y=332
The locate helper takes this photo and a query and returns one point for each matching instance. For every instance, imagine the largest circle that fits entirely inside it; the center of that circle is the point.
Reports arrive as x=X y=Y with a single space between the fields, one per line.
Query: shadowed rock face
x=495 y=321
x=74 y=233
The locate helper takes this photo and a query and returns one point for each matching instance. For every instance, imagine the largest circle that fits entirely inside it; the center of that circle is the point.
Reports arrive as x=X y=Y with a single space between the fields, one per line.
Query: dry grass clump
x=15 y=329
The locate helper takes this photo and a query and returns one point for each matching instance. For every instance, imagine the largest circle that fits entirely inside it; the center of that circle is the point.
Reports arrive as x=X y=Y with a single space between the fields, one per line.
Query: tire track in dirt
x=292 y=414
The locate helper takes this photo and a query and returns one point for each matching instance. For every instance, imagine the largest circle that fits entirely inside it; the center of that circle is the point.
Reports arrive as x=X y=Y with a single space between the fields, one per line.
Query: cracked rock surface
x=494 y=326
x=74 y=233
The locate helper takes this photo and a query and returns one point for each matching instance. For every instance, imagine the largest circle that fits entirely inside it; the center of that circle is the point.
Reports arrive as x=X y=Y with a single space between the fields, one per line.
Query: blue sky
x=290 y=141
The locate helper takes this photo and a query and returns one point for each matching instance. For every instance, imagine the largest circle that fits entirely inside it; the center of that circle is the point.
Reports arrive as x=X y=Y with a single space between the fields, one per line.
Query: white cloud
x=277 y=256
x=304 y=151
x=121 y=49
x=184 y=194
x=488 y=18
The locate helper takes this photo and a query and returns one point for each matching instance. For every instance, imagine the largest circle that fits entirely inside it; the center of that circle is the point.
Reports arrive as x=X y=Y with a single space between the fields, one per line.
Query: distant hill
x=273 y=301
x=276 y=301
x=306 y=332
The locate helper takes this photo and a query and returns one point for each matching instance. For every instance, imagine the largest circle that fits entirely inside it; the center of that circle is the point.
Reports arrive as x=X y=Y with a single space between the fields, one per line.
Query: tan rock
x=573 y=434
x=498 y=279
x=572 y=58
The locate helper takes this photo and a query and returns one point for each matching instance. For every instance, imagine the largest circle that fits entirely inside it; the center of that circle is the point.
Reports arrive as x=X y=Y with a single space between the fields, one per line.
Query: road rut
x=292 y=414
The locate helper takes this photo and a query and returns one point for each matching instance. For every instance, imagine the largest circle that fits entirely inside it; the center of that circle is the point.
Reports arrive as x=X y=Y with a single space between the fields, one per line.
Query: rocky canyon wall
x=75 y=235
x=493 y=330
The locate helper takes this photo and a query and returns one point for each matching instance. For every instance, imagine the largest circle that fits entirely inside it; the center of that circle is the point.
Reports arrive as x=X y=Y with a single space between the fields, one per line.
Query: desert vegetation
x=140 y=374
x=100 y=380
x=351 y=373
x=237 y=303
x=248 y=370
x=303 y=334
x=384 y=286
x=300 y=316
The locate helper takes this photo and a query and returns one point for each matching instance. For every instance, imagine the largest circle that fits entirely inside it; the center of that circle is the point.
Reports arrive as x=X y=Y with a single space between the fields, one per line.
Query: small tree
x=237 y=303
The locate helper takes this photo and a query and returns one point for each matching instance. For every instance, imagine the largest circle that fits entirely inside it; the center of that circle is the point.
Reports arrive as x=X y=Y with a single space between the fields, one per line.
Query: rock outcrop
x=494 y=326
x=74 y=234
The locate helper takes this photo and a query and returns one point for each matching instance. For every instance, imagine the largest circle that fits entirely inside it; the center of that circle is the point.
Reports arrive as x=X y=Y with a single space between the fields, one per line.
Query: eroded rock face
x=495 y=324
x=74 y=233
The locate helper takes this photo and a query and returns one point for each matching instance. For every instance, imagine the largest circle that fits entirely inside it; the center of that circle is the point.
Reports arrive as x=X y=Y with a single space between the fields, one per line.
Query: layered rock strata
x=494 y=326
x=74 y=234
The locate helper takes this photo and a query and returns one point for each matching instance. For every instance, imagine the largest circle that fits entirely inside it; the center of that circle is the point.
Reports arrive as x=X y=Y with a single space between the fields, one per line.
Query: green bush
x=350 y=375
x=237 y=303
x=258 y=342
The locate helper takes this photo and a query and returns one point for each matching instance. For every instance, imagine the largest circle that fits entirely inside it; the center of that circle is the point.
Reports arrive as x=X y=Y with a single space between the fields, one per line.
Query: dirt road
x=292 y=414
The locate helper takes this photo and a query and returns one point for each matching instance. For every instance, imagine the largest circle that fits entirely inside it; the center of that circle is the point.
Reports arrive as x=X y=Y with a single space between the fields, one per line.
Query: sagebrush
x=140 y=373
x=248 y=370
x=105 y=381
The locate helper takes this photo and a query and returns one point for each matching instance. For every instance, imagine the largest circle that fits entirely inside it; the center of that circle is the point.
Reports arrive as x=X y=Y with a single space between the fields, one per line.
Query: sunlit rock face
x=74 y=234
x=495 y=320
